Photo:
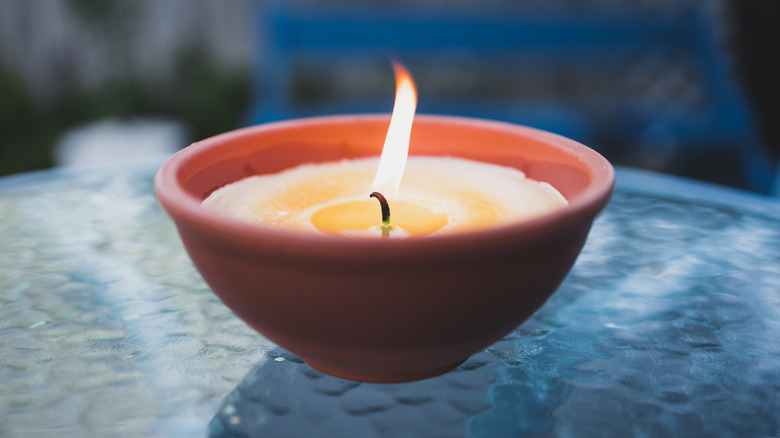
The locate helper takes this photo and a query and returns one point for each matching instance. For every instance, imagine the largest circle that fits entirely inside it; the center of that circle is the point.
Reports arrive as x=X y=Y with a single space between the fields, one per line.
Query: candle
x=437 y=195
x=425 y=195
x=367 y=308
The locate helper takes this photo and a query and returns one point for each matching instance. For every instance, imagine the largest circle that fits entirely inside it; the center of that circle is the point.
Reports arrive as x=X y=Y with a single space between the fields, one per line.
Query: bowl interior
x=569 y=167
x=579 y=173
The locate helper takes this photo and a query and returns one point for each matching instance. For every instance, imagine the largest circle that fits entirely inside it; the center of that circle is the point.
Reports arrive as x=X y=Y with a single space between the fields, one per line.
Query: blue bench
x=630 y=128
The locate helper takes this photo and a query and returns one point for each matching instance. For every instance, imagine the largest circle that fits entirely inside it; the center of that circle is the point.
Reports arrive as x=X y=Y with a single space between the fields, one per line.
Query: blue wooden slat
x=563 y=37
x=533 y=34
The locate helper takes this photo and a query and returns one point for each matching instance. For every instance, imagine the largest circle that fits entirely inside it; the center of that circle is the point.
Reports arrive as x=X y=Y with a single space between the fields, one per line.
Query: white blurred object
x=120 y=142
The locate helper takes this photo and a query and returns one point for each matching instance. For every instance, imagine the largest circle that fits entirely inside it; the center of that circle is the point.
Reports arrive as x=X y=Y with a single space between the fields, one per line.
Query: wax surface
x=437 y=195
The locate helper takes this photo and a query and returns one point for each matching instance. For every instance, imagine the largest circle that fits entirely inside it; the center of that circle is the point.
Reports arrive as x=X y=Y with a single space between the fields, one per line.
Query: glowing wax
x=437 y=195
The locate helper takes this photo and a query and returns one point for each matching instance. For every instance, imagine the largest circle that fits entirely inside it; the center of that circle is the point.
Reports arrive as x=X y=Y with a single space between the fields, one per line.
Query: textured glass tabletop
x=668 y=325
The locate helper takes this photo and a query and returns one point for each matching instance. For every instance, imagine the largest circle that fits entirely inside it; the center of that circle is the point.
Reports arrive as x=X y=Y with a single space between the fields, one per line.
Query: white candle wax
x=437 y=195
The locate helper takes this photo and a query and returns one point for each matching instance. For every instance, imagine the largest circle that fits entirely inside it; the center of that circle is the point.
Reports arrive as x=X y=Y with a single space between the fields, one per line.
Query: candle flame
x=396 y=148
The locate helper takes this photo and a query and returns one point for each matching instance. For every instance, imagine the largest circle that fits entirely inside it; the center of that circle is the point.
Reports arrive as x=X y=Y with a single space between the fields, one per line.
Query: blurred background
x=686 y=87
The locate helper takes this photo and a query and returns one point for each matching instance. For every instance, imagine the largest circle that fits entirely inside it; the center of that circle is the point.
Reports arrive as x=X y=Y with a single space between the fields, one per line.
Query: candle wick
x=385 y=208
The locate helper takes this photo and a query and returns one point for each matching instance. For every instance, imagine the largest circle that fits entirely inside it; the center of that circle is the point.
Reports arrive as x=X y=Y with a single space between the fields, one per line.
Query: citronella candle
x=371 y=309
x=437 y=194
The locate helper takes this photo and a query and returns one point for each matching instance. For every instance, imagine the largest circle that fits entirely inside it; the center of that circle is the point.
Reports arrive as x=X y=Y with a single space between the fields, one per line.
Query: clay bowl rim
x=186 y=210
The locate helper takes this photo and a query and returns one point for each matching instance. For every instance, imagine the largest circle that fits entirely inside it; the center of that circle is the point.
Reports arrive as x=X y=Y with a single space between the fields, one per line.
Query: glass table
x=668 y=325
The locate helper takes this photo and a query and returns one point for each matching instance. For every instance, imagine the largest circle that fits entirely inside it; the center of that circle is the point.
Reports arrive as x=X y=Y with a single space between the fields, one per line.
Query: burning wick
x=396 y=149
x=386 y=227
x=385 y=207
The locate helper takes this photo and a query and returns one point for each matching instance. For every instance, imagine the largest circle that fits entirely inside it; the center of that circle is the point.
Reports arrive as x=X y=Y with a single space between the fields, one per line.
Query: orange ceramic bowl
x=379 y=310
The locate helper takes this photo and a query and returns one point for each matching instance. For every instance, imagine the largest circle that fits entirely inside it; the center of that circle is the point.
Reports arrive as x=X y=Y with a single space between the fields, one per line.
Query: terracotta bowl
x=374 y=310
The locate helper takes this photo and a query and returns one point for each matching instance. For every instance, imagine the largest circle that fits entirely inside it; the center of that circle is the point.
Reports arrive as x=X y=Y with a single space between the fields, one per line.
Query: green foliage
x=211 y=99
x=25 y=136
x=206 y=97
x=104 y=14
